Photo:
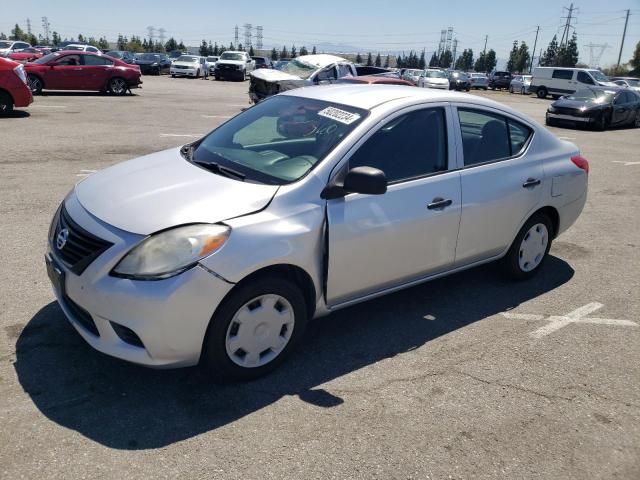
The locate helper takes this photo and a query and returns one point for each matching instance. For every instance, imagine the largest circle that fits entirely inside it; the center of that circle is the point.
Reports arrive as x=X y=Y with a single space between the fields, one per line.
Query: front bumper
x=22 y=96
x=438 y=86
x=570 y=118
x=184 y=72
x=170 y=317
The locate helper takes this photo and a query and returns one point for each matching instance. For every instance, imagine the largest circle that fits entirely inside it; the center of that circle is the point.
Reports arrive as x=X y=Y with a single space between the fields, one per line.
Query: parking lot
x=470 y=376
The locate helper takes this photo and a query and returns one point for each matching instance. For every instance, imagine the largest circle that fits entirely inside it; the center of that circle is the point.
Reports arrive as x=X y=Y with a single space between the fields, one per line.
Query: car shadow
x=74 y=93
x=124 y=406
x=15 y=114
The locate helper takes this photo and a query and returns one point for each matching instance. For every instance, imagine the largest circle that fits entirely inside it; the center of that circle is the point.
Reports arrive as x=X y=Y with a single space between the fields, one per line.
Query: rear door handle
x=439 y=203
x=531 y=182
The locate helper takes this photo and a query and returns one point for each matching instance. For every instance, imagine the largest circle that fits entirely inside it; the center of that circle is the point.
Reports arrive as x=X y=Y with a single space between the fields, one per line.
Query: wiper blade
x=220 y=169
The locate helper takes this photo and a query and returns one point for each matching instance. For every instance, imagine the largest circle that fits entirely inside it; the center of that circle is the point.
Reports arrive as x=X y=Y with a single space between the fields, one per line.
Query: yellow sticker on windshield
x=338 y=115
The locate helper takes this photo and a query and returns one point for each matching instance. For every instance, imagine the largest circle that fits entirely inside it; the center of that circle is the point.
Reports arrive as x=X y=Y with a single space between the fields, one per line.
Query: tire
x=6 y=103
x=542 y=92
x=548 y=122
x=173 y=76
x=602 y=123
x=118 y=86
x=511 y=90
x=227 y=356
x=35 y=84
x=217 y=77
x=530 y=248
x=522 y=92
x=485 y=89
x=636 y=123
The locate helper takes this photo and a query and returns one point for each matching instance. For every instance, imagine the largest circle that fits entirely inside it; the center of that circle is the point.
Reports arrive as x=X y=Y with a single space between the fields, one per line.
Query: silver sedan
x=220 y=252
x=520 y=84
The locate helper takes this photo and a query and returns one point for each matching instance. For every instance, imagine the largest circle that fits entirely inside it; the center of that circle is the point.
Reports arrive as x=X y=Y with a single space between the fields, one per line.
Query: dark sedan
x=459 y=81
x=153 y=63
x=598 y=107
x=122 y=55
x=263 y=62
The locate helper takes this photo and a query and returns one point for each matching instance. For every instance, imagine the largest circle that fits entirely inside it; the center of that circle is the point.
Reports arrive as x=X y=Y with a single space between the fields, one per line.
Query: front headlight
x=155 y=64
x=171 y=252
x=21 y=73
x=551 y=109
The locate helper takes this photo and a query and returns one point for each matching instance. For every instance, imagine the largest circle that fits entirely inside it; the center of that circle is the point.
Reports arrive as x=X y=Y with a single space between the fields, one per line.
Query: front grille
x=226 y=67
x=80 y=248
x=81 y=316
x=180 y=66
x=568 y=111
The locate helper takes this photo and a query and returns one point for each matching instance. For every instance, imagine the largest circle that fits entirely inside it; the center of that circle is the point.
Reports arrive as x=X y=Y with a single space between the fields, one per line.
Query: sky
x=372 y=25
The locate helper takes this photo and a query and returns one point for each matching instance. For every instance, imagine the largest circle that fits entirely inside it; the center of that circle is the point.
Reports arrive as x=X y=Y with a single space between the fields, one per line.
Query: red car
x=75 y=70
x=375 y=80
x=26 y=55
x=14 y=91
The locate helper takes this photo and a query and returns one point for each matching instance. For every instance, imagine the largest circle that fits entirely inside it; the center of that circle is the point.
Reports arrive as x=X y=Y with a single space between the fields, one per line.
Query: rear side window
x=410 y=146
x=563 y=74
x=487 y=137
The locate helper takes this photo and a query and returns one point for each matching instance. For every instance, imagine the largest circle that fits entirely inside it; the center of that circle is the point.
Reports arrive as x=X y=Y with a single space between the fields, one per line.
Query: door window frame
x=341 y=167
x=507 y=116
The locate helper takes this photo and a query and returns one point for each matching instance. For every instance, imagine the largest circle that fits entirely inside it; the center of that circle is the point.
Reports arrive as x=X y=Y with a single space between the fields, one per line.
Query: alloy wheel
x=35 y=84
x=259 y=331
x=118 y=86
x=533 y=247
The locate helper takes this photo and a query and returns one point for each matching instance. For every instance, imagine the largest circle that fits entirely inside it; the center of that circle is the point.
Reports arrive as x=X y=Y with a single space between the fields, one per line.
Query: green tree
x=3 y=36
x=435 y=61
x=204 y=49
x=523 y=58
x=304 y=51
x=216 y=50
x=313 y=52
x=122 y=42
x=359 y=59
x=274 y=54
x=170 y=46
x=294 y=52
x=55 y=39
x=369 y=60
x=181 y=46
x=480 y=65
x=386 y=61
x=251 y=51
x=635 y=60
x=284 y=53
x=511 y=64
x=550 y=56
x=445 y=59
x=103 y=43
x=490 y=60
x=378 y=60
x=17 y=33
x=568 y=54
x=211 y=48
x=232 y=46
x=422 y=63
x=81 y=38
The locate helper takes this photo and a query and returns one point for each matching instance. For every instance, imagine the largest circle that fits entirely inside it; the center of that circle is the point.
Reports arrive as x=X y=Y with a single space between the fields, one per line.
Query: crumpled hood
x=162 y=190
x=271 y=75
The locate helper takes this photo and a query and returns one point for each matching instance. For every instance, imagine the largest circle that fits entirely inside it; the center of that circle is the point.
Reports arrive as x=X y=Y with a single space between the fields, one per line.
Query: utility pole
x=624 y=34
x=533 y=52
x=237 y=38
x=161 y=35
x=455 y=49
x=484 y=52
x=151 y=30
x=567 y=26
x=29 y=26
x=45 y=26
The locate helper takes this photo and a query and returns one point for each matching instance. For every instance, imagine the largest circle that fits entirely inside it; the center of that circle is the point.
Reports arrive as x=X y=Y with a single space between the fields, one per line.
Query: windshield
x=150 y=56
x=114 y=54
x=231 y=56
x=598 y=75
x=299 y=69
x=4 y=44
x=185 y=58
x=434 y=74
x=526 y=78
x=212 y=59
x=633 y=82
x=591 y=96
x=279 y=140
x=47 y=58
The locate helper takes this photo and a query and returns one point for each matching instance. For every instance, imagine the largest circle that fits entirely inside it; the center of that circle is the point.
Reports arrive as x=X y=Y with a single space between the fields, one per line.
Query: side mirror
x=364 y=180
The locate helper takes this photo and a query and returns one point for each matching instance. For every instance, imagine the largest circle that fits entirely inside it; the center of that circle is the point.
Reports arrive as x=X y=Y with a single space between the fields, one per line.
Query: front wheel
x=541 y=92
x=522 y=92
x=254 y=329
x=602 y=123
x=6 y=103
x=510 y=89
x=530 y=248
x=35 y=84
x=117 y=86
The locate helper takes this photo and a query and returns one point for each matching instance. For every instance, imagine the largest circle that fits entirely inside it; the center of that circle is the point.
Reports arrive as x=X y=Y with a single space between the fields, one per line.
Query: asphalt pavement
x=469 y=376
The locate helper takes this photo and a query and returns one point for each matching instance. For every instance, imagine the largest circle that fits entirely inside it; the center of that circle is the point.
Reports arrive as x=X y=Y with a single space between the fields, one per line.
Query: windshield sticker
x=338 y=115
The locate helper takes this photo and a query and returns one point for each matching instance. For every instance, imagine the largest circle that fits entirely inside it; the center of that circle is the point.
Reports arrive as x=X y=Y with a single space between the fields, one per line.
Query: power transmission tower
x=237 y=38
x=486 y=37
x=151 y=29
x=567 y=26
x=595 y=53
x=533 y=52
x=29 y=26
x=624 y=34
x=455 y=49
x=449 y=38
x=162 y=35
x=248 y=35
x=443 y=41
x=45 y=26
x=259 y=37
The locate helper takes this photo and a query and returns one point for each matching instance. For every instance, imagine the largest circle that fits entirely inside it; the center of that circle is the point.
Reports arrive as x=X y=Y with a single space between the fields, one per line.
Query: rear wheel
x=637 y=121
x=35 y=84
x=542 y=92
x=254 y=329
x=6 y=103
x=117 y=86
x=530 y=248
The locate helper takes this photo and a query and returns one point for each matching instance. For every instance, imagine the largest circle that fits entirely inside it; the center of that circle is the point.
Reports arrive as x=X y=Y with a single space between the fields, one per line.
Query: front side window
x=585 y=78
x=278 y=140
x=69 y=60
x=410 y=146
x=562 y=74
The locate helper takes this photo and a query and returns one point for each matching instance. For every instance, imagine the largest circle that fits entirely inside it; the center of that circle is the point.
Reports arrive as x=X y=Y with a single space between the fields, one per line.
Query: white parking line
x=217 y=116
x=191 y=135
x=556 y=322
x=626 y=164
x=48 y=106
x=567 y=138
x=85 y=173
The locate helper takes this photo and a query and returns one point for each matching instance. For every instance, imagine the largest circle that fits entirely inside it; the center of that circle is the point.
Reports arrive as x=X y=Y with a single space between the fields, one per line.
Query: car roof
x=370 y=96
x=320 y=60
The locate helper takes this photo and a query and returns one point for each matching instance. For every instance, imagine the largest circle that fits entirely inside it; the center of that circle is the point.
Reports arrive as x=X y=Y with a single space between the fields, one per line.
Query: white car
x=10 y=46
x=434 y=78
x=234 y=66
x=411 y=75
x=478 y=81
x=221 y=251
x=211 y=62
x=302 y=71
x=189 y=66
x=81 y=48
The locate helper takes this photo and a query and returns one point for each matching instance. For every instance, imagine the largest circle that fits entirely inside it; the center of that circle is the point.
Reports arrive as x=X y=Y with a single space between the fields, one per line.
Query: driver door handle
x=439 y=203
x=531 y=182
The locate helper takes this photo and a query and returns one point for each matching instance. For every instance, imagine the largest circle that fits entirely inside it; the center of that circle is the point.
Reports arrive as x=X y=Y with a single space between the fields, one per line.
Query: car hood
x=270 y=75
x=577 y=104
x=162 y=190
x=436 y=80
x=147 y=62
x=231 y=62
x=186 y=64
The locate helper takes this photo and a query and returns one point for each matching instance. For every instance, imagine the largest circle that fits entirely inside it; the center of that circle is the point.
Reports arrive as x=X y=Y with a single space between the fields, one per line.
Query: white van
x=558 y=81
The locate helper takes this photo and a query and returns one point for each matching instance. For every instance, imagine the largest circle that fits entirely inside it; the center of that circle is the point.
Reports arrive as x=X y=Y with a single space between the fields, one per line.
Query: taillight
x=581 y=162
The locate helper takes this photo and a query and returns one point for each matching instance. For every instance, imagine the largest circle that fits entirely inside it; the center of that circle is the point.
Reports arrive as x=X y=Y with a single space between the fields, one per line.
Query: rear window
x=562 y=74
